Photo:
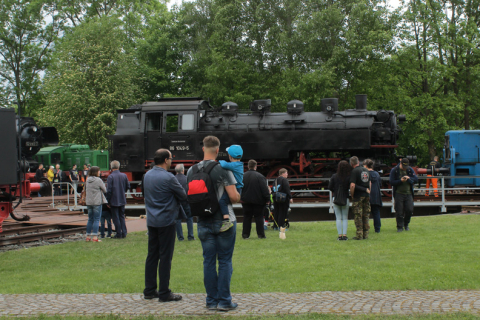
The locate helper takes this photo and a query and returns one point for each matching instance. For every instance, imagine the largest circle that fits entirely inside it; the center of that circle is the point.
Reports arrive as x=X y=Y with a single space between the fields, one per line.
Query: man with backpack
x=207 y=181
x=163 y=196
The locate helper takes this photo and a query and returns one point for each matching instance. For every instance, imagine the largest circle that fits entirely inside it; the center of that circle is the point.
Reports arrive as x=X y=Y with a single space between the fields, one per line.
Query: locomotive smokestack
x=361 y=102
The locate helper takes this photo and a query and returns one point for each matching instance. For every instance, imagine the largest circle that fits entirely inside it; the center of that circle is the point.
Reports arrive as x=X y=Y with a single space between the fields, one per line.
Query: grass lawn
x=439 y=253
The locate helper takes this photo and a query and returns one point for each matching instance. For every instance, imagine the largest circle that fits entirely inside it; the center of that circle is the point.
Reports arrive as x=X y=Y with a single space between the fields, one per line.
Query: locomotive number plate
x=31 y=143
x=179 y=148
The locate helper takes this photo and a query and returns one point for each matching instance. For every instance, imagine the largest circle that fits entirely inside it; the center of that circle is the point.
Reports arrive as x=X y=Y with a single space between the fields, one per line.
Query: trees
x=27 y=32
x=90 y=77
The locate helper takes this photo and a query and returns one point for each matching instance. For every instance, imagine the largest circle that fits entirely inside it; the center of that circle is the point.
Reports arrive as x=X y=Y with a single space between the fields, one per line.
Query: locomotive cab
x=143 y=129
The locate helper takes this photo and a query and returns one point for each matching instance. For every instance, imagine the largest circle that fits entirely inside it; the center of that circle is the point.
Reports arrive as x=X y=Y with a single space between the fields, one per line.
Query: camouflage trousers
x=361 y=211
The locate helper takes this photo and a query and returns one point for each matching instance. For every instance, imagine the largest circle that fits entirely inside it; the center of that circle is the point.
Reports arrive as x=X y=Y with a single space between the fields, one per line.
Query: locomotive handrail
x=68 y=184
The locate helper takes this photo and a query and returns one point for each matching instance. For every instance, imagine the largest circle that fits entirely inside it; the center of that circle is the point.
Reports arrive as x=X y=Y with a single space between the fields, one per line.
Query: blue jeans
x=118 y=217
x=225 y=201
x=94 y=213
x=376 y=216
x=188 y=213
x=106 y=215
x=217 y=244
x=341 y=213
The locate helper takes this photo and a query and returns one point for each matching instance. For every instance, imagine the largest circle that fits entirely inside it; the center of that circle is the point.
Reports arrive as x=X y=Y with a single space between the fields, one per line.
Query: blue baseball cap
x=235 y=151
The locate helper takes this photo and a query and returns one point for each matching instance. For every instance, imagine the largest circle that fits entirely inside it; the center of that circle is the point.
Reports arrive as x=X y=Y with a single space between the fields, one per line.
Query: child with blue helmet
x=235 y=153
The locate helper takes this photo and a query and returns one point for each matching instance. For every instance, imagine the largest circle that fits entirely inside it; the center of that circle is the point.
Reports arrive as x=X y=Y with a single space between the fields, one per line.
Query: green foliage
x=439 y=253
x=91 y=76
x=26 y=40
x=422 y=59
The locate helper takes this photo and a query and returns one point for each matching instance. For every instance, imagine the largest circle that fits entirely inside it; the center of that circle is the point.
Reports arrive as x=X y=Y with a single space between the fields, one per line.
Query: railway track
x=18 y=234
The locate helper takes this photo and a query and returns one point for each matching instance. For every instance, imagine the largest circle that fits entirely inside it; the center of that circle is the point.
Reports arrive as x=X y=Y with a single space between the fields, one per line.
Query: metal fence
x=440 y=202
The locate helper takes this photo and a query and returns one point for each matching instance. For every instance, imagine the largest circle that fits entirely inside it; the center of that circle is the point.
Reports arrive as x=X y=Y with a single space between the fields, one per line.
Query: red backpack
x=201 y=194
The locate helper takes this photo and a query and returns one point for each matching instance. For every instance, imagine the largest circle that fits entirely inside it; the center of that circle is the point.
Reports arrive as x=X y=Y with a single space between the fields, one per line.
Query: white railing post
x=444 y=207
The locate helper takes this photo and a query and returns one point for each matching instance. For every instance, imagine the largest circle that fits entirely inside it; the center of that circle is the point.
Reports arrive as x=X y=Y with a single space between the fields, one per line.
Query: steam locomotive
x=308 y=144
x=20 y=140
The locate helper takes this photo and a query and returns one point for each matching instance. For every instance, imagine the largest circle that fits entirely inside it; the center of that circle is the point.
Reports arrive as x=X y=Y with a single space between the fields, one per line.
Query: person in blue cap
x=235 y=153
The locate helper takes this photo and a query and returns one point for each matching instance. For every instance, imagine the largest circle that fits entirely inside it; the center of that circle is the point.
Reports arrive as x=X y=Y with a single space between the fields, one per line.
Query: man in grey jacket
x=117 y=185
x=163 y=195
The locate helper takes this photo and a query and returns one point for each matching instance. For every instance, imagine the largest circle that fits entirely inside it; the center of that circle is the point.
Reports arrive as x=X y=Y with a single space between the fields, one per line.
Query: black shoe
x=407 y=228
x=345 y=238
x=232 y=306
x=264 y=237
x=211 y=306
x=245 y=238
x=152 y=296
x=171 y=297
x=340 y=238
x=399 y=229
x=193 y=239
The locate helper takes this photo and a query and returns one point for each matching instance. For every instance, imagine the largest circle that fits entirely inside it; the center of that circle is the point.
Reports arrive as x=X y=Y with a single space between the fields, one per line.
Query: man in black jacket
x=402 y=179
x=255 y=195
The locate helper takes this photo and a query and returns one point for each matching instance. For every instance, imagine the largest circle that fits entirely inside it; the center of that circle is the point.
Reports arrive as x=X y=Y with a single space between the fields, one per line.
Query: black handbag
x=340 y=197
x=280 y=197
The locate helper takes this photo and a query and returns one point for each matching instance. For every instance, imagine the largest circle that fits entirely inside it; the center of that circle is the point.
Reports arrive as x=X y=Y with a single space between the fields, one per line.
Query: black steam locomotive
x=308 y=144
x=20 y=139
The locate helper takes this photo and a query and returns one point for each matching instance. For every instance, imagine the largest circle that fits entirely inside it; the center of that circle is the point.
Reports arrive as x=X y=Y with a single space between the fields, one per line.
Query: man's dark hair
x=344 y=170
x=211 y=142
x=161 y=155
x=252 y=164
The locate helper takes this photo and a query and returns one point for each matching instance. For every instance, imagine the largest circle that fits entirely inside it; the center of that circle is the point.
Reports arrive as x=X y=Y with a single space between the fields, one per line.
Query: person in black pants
x=281 y=209
x=403 y=179
x=163 y=196
x=255 y=195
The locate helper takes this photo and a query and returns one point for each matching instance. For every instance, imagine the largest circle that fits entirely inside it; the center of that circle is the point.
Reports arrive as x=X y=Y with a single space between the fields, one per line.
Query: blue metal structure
x=462 y=156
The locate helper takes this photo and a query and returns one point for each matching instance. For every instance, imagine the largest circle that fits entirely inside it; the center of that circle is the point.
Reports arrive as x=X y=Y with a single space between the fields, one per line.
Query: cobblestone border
x=349 y=303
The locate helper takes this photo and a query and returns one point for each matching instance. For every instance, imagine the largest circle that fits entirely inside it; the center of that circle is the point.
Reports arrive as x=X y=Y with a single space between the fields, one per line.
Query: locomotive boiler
x=20 y=139
x=308 y=144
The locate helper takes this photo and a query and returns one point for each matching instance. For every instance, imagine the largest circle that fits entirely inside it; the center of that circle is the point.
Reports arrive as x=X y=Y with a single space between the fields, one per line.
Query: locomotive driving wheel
x=322 y=172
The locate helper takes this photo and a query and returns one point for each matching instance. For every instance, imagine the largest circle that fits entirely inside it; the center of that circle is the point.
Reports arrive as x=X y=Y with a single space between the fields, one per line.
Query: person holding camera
x=403 y=179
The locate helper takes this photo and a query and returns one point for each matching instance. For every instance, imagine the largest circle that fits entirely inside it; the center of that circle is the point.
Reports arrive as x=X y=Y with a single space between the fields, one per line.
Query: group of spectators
x=364 y=185
x=106 y=202
x=56 y=175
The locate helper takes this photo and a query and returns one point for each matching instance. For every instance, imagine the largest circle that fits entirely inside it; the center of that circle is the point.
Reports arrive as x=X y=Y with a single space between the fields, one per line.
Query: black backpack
x=201 y=194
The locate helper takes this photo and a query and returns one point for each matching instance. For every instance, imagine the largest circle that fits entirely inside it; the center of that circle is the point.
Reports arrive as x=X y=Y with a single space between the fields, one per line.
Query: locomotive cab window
x=188 y=122
x=172 y=123
x=154 y=121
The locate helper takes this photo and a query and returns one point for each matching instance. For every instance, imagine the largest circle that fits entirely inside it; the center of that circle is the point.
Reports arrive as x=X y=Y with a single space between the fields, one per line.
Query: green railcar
x=69 y=154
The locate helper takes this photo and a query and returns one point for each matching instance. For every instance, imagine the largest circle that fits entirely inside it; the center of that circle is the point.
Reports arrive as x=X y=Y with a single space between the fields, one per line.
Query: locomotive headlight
x=35 y=129
x=329 y=108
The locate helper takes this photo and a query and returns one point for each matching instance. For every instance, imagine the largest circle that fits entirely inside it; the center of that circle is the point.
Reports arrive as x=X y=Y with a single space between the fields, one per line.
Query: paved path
x=354 y=302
